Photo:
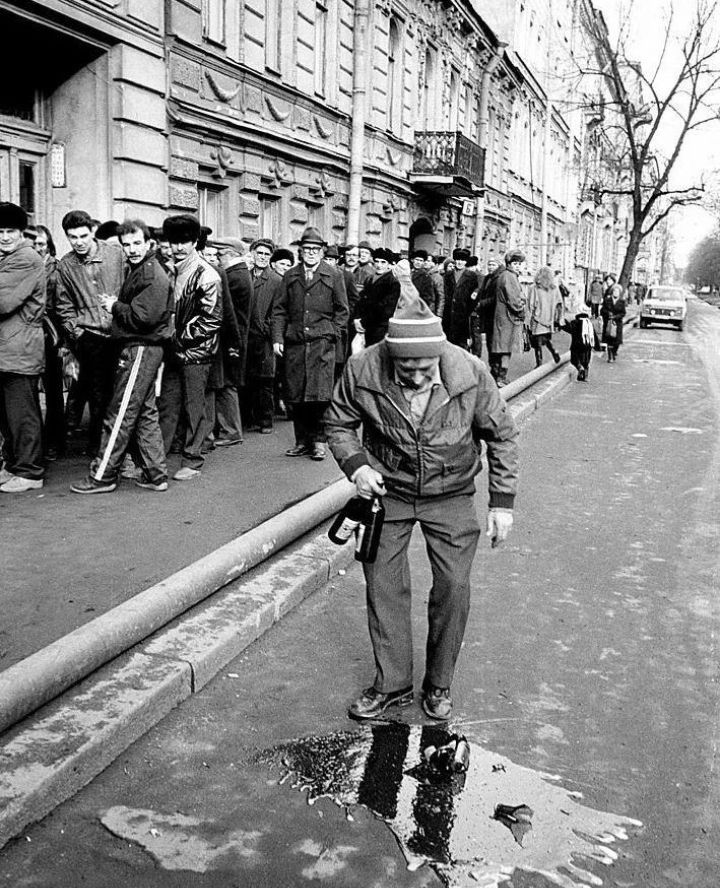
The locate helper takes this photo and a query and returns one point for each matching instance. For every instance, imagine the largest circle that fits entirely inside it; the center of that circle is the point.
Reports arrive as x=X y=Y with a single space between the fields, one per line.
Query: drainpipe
x=483 y=126
x=357 y=134
x=544 y=197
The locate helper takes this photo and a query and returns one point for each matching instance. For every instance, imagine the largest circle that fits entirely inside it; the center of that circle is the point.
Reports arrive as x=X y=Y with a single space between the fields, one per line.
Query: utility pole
x=361 y=25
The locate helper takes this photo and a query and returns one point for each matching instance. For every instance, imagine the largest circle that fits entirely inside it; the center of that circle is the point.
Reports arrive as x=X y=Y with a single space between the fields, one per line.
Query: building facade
x=413 y=123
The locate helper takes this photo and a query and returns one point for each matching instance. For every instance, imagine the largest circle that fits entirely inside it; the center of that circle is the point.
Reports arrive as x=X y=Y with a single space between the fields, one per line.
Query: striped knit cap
x=413 y=331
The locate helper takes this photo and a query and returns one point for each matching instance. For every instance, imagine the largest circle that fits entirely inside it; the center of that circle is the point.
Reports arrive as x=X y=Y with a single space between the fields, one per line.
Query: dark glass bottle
x=367 y=536
x=347 y=520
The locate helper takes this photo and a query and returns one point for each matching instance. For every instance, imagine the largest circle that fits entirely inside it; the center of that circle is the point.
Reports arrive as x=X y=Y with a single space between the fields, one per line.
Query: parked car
x=664 y=305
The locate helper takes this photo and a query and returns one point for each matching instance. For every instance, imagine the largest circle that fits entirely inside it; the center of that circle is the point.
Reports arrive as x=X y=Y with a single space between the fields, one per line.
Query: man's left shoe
x=227 y=442
x=90 y=485
x=186 y=474
x=16 y=484
x=318 y=452
x=437 y=703
x=157 y=486
x=371 y=703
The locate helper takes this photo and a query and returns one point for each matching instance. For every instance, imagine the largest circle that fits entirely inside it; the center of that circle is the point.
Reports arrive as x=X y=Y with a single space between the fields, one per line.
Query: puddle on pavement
x=473 y=828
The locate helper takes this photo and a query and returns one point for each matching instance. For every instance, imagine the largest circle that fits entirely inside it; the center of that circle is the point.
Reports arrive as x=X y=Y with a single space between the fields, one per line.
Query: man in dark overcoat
x=509 y=315
x=460 y=283
x=309 y=315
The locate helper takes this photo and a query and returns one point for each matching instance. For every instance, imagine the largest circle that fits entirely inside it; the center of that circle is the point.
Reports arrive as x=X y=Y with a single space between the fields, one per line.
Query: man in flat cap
x=423 y=405
x=22 y=353
x=509 y=315
x=309 y=315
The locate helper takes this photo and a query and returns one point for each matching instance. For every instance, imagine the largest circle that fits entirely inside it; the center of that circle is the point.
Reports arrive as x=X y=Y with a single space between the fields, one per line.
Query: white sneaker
x=20 y=485
x=186 y=474
x=5 y=476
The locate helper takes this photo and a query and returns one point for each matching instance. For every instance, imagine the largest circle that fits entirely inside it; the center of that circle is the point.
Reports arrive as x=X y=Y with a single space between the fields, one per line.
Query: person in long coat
x=543 y=301
x=308 y=318
x=460 y=283
x=509 y=315
x=482 y=312
x=613 y=310
x=379 y=299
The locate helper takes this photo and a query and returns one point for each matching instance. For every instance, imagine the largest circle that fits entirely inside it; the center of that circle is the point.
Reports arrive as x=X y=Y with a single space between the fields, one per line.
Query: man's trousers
x=97 y=357
x=21 y=425
x=183 y=395
x=133 y=414
x=451 y=530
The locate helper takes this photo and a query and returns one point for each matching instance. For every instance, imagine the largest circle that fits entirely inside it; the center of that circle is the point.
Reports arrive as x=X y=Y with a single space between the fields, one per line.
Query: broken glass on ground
x=448 y=820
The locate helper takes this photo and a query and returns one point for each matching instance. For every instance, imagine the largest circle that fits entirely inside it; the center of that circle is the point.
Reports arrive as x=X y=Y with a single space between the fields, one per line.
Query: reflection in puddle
x=450 y=821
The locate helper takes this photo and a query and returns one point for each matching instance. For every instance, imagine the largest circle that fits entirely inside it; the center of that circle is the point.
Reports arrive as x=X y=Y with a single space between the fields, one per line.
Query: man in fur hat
x=423 y=405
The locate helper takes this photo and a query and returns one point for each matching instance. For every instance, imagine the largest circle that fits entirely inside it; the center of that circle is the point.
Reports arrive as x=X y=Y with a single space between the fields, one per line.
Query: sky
x=701 y=154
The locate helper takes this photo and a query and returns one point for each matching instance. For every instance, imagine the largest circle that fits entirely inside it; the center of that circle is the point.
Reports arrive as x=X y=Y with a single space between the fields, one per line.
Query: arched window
x=394 y=79
x=451 y=112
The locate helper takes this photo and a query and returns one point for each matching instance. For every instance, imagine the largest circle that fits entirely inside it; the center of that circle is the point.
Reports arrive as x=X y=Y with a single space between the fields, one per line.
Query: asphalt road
x=66 y=559
x=590 y=656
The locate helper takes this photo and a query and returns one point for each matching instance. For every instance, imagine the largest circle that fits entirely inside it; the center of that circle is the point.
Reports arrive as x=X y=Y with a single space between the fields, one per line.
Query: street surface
x=66 y=559
x=590 y=656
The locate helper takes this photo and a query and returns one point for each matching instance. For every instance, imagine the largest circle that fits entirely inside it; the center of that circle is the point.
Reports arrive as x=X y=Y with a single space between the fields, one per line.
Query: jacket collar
x=377 y=373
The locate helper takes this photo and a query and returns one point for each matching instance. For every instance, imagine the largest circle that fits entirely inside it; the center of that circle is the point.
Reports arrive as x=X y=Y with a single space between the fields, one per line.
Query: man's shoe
x=17 y=484
x=186 y=474
x=158 y=486
x=6 y=476
x=266 y=430
x=318 y=452
x=556 y=357
x=437 y=703
x=90 y=485
x=298 y=450
x=227 y=442
x=371 y=703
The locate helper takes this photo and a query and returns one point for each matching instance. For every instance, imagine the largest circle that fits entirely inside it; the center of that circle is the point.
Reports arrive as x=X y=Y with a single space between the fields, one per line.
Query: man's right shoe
x=437 y=703
x=90 y=485
x=186 y=474
x=6 y=476
x=16 y=484
x=158 y=486
x=298 y=450
x=371 y=703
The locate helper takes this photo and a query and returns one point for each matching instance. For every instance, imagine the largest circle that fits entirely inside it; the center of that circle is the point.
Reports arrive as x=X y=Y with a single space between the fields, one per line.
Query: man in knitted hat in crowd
x=423 y=405
x=22 y=353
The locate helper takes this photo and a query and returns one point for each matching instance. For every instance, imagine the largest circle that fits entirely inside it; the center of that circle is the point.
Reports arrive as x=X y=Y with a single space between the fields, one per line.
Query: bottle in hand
x=364 y=518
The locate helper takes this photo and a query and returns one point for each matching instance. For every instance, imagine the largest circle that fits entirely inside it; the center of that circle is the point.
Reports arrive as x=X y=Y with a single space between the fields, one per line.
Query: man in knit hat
x=423 y=405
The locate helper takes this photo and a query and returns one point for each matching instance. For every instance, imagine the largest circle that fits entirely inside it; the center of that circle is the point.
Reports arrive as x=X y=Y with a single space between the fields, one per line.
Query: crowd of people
x=178 y=339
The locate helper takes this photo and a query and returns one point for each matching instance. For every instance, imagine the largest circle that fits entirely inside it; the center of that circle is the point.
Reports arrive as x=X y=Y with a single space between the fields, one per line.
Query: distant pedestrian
x=613 y=314
x=482 y=314
x=544 y=302
x=509 y=315
x=22 y=354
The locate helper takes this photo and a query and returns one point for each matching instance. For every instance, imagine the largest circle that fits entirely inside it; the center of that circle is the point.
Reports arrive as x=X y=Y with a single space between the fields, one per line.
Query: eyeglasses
x=309 y=249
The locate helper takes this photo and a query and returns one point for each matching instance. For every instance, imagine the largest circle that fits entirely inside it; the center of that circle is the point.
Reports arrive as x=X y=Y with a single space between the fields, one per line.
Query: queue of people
x=175 y=339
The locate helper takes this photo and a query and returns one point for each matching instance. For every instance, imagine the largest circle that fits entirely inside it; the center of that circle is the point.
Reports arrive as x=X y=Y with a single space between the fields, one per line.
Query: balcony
x=448 y=164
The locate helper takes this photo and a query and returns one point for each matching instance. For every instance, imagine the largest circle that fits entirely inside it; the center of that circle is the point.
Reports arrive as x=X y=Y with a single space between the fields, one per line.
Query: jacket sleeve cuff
x=502 y=500
x=353 y=463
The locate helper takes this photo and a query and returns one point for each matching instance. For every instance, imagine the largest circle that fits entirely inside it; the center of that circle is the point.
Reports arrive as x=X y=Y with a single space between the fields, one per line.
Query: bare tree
x=678 y=96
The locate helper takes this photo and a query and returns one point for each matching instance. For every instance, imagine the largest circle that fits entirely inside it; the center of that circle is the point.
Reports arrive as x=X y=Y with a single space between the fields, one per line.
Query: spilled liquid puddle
x=451 y=822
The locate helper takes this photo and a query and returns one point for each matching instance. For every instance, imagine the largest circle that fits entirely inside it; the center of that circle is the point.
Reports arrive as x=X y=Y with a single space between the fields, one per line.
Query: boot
x=538 y=357
x=501 y=379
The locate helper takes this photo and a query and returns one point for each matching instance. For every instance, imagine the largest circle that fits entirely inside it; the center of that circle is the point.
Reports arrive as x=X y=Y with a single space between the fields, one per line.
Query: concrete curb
x=52 y=754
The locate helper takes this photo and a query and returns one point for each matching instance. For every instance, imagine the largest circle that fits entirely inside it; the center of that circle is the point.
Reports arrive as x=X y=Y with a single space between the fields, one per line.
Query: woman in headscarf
x=613 y=311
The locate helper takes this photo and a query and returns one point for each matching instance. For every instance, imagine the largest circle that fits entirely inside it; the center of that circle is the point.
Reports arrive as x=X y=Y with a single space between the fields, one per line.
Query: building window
x=211 y=207
x=273 y=34
x=270 y=224
x=428 y=87
x=394 y=79
x=213 y=20
x=26 y=176
x=321 y=27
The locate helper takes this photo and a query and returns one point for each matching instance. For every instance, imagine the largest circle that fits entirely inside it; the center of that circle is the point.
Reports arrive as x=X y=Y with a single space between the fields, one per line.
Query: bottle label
x=359 y=536
x=346 y=529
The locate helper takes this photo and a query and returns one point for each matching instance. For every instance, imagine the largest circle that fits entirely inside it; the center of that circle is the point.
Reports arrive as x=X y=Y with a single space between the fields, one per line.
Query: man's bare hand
x=369 y=483
x=278 y=348
x=499 y=525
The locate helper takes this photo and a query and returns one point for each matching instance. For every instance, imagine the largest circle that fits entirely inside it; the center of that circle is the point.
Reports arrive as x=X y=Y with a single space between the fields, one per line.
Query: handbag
x=611 y=329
